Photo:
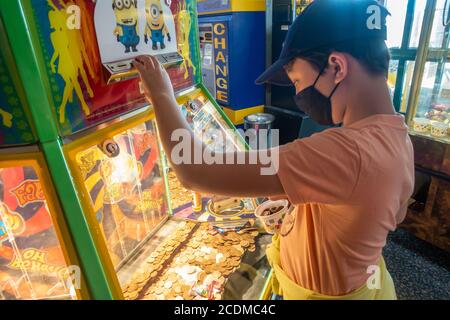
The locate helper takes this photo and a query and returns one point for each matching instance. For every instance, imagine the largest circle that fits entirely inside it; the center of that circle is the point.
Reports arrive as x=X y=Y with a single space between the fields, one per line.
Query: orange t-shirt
x=350 y=187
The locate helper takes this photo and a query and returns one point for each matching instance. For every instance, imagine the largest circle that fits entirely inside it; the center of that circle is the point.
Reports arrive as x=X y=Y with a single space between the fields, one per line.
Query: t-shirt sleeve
x=323 y=168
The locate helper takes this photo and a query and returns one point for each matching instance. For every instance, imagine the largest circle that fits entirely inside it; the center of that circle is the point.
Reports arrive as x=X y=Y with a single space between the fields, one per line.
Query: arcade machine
x=232 y=49
x=37 y=259
x=291 y=122
x=149 y=238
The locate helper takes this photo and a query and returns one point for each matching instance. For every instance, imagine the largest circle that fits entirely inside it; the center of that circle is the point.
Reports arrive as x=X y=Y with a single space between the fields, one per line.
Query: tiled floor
x=419 y=269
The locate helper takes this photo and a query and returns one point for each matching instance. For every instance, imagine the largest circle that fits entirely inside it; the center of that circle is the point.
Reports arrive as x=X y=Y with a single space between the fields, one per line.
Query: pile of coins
x=178 y=194
x=153 y=266
x=197 y=270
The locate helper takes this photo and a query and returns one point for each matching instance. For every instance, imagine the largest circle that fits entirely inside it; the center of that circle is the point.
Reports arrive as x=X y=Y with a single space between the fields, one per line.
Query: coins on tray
x=197 y=270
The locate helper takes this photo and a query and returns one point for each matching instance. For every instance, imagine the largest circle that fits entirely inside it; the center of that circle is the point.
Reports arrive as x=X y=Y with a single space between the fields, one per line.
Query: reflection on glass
x=209 y=125
x=396 y=22
x=32 y=263
x=126 y=191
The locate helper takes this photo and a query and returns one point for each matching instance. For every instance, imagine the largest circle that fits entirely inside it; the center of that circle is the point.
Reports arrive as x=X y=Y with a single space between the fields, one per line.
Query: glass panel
x=127 y=192
x=396 y=22
x=207 y=123
x=32 y=263
x=438 y=31
x=426 y=91
x=433 y=113
x=419 y=11
x=216 y=133
x=199 y=263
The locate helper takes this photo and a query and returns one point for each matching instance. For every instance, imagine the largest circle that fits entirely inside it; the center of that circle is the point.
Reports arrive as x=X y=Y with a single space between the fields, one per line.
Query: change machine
x=232 y=46
x=95 y=196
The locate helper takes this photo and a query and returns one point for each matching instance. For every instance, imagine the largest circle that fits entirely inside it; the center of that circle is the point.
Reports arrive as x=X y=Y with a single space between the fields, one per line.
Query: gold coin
x=191 y=270
x=173 y=277
x=133 y=296
x=178 y=289
x=187 y=296
x=245 y=243
x=168 y=284
x=170 y=296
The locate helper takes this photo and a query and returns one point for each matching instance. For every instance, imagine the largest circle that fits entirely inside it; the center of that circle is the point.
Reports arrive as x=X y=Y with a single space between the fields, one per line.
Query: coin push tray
x=193 y=263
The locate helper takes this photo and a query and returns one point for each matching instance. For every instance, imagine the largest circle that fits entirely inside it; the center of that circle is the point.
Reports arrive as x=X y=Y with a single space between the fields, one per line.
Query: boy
x=350 y=185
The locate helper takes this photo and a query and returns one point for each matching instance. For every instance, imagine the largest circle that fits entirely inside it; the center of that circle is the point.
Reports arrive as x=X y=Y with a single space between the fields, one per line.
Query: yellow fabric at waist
x=284 y=286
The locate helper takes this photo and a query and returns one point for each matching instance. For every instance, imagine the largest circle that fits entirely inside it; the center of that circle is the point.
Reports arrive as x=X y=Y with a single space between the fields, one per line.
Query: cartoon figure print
x=155 y=28
x=127 y=28
x=11 y=221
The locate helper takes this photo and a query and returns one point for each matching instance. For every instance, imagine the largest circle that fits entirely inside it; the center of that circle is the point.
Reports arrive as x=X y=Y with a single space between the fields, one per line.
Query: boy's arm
x=239 y=180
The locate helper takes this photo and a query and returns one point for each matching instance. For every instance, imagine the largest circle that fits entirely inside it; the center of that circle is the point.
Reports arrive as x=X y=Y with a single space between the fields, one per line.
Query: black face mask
x=315 y=104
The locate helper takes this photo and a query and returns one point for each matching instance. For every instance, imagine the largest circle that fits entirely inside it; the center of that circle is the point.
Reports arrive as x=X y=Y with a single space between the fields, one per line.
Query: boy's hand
x=154 y=77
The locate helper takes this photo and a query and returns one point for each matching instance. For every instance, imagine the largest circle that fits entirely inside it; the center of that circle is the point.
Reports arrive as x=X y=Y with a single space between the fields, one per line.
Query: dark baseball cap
x=324 y=23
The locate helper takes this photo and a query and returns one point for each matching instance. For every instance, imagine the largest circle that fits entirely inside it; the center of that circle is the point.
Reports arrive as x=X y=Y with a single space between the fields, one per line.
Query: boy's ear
x=339 y=64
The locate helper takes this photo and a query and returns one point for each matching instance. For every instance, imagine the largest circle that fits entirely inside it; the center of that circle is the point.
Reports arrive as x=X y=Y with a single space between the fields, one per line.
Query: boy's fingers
x=138 y=65
x=156 y=63
x=146 y=61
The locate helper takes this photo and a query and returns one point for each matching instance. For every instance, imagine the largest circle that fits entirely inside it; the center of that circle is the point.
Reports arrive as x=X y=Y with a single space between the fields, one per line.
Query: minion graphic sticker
x=155 y=28
x=127 y=23
x=127 y=28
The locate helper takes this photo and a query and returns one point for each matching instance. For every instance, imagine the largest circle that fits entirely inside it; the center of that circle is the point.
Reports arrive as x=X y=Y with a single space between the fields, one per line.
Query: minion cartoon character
x=127 y=27
x=155 y=28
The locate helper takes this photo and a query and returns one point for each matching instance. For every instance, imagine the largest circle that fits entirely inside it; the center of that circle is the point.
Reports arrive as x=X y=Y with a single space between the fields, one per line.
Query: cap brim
x=275 y=74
